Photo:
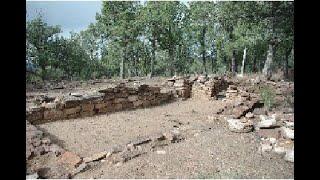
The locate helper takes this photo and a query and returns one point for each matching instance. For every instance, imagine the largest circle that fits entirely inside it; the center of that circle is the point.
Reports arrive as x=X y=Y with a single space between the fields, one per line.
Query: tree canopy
x=154 y=38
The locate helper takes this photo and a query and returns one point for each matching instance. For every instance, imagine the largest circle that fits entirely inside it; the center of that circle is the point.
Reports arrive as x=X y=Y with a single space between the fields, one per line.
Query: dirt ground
x=209 y=149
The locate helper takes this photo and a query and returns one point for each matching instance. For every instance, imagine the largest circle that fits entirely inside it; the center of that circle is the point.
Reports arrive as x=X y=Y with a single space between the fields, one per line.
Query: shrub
x=289 y=99
x=267 y=96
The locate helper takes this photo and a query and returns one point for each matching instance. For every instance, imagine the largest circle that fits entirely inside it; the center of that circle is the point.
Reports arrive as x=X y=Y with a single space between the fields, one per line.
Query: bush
x=289 y=99
x=33 y=78
x=268 y=97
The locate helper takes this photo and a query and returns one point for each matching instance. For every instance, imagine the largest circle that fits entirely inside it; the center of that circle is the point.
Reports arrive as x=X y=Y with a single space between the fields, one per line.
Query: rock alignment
x=103 y=101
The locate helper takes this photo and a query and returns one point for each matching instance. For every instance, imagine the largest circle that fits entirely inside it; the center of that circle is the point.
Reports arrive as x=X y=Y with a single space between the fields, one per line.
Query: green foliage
x=289 y=99
x=162 y=38
x=267 y=95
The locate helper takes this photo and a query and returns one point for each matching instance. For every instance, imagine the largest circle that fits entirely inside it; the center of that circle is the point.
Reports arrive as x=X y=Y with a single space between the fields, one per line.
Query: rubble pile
x=55 y=162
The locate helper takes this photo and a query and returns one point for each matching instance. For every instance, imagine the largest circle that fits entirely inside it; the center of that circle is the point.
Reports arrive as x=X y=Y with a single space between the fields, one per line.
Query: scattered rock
x=56 y=149
x=289 y=124
x=70 y=159
x=266 y=146
x=269 y=133
x=289 y=156
x=287 y=133
x=161 y=152
x=80 y=168
x=240 y=126
x=141 y=140
x=32 y=176
x=272 y=141
x=282 y=146
x=259 y=111
x=267 y=121
x=76 y=94
x=249 y=115
x=96 y=156
x=54 y=172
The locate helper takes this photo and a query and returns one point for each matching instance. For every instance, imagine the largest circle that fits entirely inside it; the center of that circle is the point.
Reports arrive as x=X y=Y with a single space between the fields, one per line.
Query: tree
x=167 y=38
x=202 y=20
x=119 y=20
x=39 y=34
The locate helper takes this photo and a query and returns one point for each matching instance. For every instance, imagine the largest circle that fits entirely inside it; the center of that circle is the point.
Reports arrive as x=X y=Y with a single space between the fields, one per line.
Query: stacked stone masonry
x=208 y=89
x=100 y=102
x=182 y=87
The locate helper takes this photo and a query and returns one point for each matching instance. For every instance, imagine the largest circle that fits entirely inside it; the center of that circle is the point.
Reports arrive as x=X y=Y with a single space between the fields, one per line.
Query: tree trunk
x=233 y=62
x=254 y=68
x=286 y=64
x=122 y=63
x=212 y=64
x=212 y=58
x=203 y=48
x=243 y=60
x=153 y=56
x=135 y=65
x=267 y=71
x=43 y=73
x=226 y=63
x=172 y=62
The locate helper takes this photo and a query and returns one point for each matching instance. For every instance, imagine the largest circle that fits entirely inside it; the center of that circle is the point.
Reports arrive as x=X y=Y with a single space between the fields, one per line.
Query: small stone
x=282 y=146
x=130 y=147
x=269 y=133
x=32 y=176
x=96 y=157
x=279 y=149
x=133 y=98
x=287 y=133
x=80 y=168
x=45 y=141
x=75 y=94
x=249 y=115
x=233 y=87
x=50 y=105
x=161 y=152
x=244 y=120
x=289 y=156
x=289 y=124
x=267 y=122
x=272 y=140
x=70 y=158
x=56 y=149
x=266 y=147
x=235 y=125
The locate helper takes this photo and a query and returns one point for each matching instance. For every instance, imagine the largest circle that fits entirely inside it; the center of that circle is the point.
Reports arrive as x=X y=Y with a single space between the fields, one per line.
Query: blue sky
x=71 y=16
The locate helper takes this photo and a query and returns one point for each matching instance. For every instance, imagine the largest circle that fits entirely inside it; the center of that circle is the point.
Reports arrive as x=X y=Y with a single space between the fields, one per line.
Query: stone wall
x=181 y=87
x=100 y=102
x=208 y=89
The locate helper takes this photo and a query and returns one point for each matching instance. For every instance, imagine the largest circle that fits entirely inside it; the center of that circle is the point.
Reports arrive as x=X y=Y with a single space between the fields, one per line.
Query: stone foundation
x=100 y=102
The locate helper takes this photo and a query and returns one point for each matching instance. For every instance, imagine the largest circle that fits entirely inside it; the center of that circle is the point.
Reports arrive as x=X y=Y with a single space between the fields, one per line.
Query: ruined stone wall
x=208 y=89
x=181 y=87
x=100 y=102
